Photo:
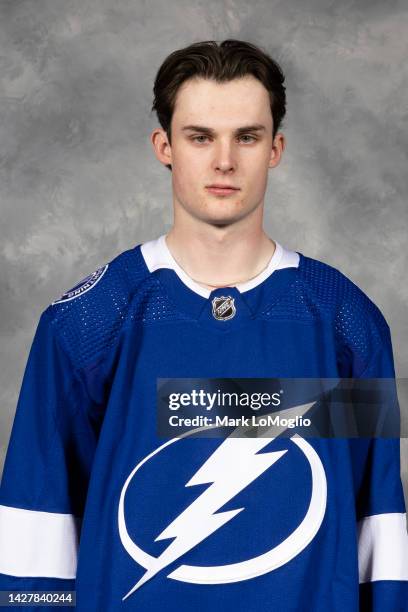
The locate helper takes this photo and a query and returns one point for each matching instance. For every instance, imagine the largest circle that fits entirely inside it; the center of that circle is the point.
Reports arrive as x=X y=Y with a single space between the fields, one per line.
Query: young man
x=93 y=499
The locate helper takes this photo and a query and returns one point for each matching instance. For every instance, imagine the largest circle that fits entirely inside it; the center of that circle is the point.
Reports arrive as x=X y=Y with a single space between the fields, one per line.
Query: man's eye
x=195 y=138
x=248 y=136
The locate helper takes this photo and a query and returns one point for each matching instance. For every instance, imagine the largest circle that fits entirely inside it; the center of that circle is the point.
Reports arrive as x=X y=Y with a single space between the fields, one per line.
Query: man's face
x=228 y=152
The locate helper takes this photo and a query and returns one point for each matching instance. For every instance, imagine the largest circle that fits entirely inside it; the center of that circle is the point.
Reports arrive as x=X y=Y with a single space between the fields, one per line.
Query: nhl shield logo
x=223 y=307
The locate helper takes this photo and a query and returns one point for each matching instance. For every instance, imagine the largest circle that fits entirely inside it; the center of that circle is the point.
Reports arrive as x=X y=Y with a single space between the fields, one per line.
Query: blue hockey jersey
x=92 y=500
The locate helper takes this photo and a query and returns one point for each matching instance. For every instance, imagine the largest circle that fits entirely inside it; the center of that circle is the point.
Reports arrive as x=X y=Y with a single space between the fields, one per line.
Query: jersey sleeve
x=382 y=527
x=46 y=471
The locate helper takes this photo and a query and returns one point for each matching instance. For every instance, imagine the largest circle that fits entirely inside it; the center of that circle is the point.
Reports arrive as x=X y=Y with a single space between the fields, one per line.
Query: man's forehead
x=200 y=89
x=236 y=103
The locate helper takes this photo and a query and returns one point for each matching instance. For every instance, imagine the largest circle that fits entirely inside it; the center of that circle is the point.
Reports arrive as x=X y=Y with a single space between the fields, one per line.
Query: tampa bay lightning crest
x=83 y=286
x=208 y=512
x=223 y=307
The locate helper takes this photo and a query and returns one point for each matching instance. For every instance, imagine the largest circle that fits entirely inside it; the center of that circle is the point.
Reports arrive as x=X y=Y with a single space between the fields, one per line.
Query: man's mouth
x=222 y=189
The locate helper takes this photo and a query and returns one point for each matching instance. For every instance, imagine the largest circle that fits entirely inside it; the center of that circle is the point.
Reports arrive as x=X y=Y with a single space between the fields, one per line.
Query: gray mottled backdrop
x=79 y=182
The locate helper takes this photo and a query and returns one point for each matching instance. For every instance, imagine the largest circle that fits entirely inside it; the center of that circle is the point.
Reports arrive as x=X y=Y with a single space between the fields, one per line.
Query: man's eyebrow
x=256 y=127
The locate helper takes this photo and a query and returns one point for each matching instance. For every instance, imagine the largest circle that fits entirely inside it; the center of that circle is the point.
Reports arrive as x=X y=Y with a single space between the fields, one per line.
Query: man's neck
x=220 y=257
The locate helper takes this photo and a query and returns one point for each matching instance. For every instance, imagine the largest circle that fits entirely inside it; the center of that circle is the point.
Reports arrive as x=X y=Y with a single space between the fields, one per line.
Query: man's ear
x=161 y=146
x=278 y=147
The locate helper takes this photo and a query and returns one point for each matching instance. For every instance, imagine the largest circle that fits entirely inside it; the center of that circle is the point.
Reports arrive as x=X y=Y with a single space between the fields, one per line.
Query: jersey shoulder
x=359 y=325
x=87 y=318
x=333 y=290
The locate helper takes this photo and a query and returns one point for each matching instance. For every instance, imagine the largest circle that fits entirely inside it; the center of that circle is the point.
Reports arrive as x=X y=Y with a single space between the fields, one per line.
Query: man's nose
x=225 y=158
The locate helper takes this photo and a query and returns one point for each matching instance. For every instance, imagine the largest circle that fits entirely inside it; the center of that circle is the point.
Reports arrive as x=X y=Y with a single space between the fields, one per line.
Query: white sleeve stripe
x=38 y=544
x=383 y=547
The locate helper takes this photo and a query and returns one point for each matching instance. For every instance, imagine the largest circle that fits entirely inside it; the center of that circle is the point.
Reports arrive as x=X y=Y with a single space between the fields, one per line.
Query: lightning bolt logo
x=234 y=465
x=231 y=468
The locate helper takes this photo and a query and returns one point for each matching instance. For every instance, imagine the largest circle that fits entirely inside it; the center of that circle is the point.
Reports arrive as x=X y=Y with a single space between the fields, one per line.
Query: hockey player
x=93 y=500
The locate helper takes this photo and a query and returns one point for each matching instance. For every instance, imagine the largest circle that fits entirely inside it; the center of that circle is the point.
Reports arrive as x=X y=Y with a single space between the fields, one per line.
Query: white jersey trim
x=383 y=547
x=157 y=255
x=38 y=544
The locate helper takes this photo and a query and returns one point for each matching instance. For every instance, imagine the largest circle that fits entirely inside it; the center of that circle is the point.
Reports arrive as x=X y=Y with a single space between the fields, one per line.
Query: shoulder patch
x=83 y=286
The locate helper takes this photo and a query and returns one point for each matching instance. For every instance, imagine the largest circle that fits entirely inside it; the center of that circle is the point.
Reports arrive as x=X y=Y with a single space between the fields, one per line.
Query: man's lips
x=221 y=190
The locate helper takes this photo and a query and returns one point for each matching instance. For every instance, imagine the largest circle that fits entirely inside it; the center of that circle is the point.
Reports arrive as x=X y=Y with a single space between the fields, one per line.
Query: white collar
x=157 y=255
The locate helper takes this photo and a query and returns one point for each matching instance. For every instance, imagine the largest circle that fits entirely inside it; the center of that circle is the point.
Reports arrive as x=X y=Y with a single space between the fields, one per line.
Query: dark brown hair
x=221 y=62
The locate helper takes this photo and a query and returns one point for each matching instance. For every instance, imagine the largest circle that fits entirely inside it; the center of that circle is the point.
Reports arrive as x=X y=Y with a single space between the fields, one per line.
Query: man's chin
x=223 y=220
x=219 y=213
